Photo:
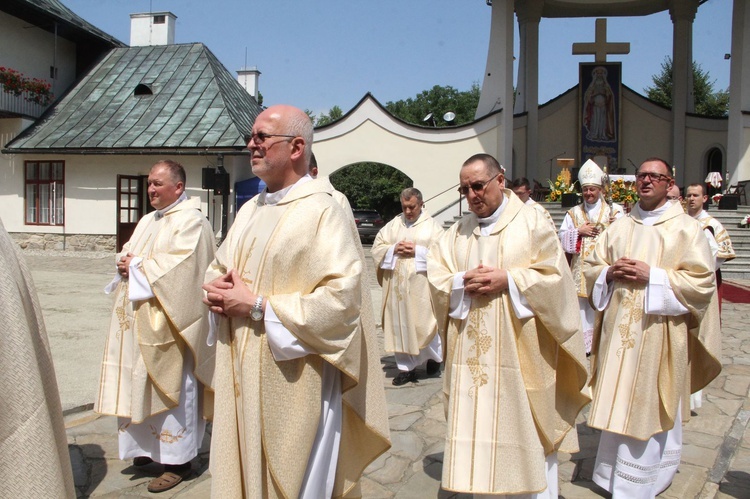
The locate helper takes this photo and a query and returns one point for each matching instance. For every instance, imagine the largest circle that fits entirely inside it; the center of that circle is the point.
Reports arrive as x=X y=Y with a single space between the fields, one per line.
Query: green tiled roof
x=194 y=104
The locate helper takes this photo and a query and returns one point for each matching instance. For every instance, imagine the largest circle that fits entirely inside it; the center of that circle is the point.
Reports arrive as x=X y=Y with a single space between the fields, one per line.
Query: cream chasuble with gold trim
x=599 y=215
x=142 y=370
x=541 y=209
x=301 y=254
x=513 y=386
x=644 y=364
x=726 y=251
x=409 y=324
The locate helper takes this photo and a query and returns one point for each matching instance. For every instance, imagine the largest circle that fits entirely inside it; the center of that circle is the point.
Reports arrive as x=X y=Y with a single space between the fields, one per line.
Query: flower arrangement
x=716 y=198
x=623 y=192
x=745 y=222
x=13 y=82
x=560 y=186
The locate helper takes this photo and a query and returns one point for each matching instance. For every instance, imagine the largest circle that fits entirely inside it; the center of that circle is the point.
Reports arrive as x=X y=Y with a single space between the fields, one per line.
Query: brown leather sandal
x=165 y=481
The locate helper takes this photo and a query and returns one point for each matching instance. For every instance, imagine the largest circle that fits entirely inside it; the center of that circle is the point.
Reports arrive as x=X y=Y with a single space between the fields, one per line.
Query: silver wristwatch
x=256 y=313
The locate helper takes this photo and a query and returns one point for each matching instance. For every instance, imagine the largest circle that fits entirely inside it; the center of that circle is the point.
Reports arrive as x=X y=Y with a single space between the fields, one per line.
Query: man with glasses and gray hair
x=300 y=402
x=514 y=372
x=657 y=339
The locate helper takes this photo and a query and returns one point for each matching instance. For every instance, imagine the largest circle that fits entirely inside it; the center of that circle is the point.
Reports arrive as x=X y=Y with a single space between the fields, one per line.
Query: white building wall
x=90 y=190
x=34 y=52
x=431 y=158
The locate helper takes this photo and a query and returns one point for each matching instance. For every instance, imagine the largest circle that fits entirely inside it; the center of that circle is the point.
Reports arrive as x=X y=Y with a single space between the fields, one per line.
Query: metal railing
x=18 y=105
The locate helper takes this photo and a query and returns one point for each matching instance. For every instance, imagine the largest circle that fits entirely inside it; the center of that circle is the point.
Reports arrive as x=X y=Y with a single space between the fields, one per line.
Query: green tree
x=372 y=185
x=707 y=102
x=334 y=114
x=437 y=101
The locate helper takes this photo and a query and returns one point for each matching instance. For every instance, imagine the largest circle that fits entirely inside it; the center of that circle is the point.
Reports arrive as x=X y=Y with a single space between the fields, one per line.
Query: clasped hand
x=229 y=295
x=485 y=280
x=588 y=230
x=626 y=269
x=405 y=248
x=123 y=265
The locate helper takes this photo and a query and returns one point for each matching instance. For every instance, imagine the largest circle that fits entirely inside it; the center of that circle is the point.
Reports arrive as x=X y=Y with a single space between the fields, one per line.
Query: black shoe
x=142 y=461
x=405 y=377
x=433 y=367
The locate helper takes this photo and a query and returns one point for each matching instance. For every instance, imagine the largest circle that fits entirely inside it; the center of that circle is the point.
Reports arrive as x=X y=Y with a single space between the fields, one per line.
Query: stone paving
x=715 y=459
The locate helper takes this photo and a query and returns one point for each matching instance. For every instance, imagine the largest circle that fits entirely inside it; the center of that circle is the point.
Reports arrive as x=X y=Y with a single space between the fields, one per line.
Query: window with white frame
x=45 y=192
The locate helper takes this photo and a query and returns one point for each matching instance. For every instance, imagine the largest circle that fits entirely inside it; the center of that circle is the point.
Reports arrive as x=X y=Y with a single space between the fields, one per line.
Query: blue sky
x=317 y=54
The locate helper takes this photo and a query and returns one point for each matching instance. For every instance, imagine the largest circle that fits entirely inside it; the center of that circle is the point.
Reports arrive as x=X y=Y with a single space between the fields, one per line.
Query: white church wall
x=645 y=131
x=432 y=158
x=433 y=167
x=701 y=135
x=34 y=51
x=558 y=135
x=518 y=168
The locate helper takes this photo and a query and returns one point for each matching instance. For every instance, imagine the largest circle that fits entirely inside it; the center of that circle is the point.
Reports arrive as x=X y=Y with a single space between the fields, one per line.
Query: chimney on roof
x=152 y=28
x=248 y=78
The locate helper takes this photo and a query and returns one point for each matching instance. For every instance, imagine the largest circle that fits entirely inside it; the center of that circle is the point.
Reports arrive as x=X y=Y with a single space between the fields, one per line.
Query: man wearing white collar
x=300 y=403
x=658 y=338
x=156 y=361
x=514 y=371
x=578 y=233
x=400 y=255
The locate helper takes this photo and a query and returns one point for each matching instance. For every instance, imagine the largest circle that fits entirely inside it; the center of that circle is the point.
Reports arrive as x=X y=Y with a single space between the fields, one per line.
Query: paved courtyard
x=715 y=459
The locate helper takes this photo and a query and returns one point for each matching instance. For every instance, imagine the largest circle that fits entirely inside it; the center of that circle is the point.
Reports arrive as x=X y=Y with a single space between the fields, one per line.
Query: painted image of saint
x=599 y=108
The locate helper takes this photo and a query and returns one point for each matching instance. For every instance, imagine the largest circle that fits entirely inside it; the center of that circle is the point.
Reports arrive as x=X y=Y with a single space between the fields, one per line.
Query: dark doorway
x=132 y=204
x=714 y=163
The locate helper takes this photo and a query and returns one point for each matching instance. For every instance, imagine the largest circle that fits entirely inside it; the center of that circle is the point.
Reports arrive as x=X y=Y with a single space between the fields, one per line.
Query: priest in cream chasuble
x=657 y=340
x=400 y=255
x=579 y=231
x=156 y=361
x=515 y=374
x=34 y=456
x=300 y=403
x=300 y=253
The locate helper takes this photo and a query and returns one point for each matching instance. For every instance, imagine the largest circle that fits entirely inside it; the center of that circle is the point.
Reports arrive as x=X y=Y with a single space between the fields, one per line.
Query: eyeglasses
x=477 y=187
x=652 y=176
x=261 y=137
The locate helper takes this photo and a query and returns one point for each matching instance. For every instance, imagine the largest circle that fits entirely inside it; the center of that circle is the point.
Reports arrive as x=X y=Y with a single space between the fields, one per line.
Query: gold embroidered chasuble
x=409 y=324
x=579 y=217
x=34 y=456
x=541 y=209
x=643 y=364
x=513 y=387
x=726 y=251
x=141 y=373
x=303 y=255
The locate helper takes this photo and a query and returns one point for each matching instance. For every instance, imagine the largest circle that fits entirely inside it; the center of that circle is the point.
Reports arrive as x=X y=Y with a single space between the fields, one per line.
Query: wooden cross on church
x=601 y=47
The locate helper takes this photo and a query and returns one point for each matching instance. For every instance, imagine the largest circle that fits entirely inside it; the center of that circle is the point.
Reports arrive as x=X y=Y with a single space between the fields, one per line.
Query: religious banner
x=599 y=94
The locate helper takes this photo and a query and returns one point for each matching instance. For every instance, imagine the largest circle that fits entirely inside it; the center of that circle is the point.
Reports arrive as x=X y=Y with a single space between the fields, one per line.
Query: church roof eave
x=602 y=8
x=51 y=15
x=371 y=98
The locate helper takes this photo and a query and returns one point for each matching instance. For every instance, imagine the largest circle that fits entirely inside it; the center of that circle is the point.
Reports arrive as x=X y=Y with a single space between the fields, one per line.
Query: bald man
x=300 y=403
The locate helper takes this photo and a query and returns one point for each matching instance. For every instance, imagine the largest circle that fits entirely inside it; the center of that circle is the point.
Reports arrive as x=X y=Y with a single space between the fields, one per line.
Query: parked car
x=369 y=223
